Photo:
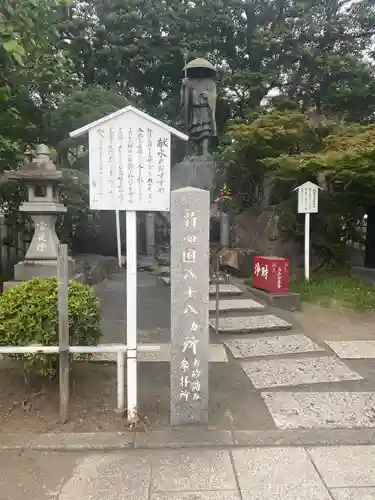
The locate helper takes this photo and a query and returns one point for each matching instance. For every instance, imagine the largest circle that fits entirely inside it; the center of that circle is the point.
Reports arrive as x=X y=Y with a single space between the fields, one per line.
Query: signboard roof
x=128 y=109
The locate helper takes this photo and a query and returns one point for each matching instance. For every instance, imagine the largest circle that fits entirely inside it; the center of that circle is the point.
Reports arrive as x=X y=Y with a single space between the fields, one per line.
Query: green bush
x=29 y=315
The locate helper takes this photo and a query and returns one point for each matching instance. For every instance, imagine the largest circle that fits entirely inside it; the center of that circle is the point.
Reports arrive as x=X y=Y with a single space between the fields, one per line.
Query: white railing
x=64 y=349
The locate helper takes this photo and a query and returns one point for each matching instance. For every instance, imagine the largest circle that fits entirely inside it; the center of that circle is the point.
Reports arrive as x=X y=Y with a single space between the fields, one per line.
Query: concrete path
x=318 y=473
x=153 y=311
x=261 y=380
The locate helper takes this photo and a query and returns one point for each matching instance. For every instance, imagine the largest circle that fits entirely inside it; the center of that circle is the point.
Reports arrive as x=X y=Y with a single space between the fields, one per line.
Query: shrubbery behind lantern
x=29 y=315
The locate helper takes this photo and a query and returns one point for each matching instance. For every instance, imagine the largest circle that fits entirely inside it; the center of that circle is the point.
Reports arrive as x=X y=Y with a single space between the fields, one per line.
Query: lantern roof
x=40 y=168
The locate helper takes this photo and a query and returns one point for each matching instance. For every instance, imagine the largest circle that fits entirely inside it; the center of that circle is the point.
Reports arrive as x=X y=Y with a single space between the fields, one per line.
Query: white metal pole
x=131 y=313
x=121 y=382
x=307 y=247
x=118 y=236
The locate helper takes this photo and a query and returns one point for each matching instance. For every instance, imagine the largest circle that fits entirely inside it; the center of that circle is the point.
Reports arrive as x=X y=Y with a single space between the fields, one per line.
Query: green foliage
x=311 y=51
x=250 y=157
x=338 y=291
x=29 y=315
x=64 y=64
x=333 y=288
x=268 y=157
x=75 y=111
x=33 y=73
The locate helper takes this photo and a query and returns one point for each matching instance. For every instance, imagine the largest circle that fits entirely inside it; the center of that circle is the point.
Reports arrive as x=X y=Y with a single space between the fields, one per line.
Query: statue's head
x=200 y=68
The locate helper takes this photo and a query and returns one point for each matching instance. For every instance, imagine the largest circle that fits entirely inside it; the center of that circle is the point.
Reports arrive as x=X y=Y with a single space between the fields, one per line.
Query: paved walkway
x=326 y=473
x=275 y=380
x=153 y=312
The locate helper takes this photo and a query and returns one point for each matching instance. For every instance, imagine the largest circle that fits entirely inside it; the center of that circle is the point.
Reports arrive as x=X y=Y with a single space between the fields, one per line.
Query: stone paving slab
x=189 y=437
x=354 y=349
x=271 y=346
x=291 y=372
x=345 y=466
x=225 y=290
x=193 y=470
x=305 y=437
x=251 y=324
x=184 y=438
x=353 y=493
x=277 y=469
x=236 y=305
x=321 y=409
x=201 y=495
x=34 y=475
x=109 y=476
x=82 y=441
x=283 y=473
x=276 y=492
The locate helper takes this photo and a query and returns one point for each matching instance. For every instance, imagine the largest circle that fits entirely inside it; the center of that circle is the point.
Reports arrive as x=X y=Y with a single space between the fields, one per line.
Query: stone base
x=29 y=269
x=287 y=301
x=8 y=284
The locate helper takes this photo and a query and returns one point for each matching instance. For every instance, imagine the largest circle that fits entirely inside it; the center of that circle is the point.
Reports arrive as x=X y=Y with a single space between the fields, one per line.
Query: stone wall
x=92 y=269
x=258 y=232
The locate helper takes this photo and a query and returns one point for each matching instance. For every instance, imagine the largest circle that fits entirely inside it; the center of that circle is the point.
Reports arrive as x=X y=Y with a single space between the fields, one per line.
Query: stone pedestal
x=195 y=171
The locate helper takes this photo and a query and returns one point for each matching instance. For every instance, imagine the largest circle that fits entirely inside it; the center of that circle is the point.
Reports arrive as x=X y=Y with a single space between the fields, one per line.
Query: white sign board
x=308 y=198
x=129 y=164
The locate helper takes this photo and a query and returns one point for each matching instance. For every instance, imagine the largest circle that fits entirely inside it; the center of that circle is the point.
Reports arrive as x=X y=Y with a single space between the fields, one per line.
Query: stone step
x=223 y=278
x=163 y=259
x=251 y=324
x=163 y=271
x=236 y=305
x=225 y=289
x=166 y=272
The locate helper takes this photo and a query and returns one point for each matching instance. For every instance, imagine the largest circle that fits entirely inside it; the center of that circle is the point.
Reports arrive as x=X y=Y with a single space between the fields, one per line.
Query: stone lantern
x=42 y=179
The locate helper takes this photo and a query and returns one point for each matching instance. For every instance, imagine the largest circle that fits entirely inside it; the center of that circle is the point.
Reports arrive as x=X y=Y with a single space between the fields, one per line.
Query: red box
x=271 y=274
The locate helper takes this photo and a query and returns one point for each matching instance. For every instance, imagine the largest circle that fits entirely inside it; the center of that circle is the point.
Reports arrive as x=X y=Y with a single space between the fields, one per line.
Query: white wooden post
x=307 y=246
x=307 y=204
x=118 y=237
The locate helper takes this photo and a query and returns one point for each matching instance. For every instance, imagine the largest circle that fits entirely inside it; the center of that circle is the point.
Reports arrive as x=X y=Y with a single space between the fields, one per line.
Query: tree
x=34 y=73
x=308 y=49
x=75 y=111
x=276 y=151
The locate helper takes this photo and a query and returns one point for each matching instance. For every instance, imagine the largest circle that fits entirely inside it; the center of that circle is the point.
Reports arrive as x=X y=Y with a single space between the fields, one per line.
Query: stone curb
x=184 y=438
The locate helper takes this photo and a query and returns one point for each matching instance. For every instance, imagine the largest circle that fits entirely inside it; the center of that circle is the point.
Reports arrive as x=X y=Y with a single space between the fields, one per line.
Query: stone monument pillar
x=42 y=179
x=190 y=209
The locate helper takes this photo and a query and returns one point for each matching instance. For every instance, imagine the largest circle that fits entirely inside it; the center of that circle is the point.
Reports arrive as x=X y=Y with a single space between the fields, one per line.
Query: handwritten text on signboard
x=129 y=165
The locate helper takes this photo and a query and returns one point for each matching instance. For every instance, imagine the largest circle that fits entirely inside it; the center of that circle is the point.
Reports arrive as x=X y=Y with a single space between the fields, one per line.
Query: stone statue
x=198 y=103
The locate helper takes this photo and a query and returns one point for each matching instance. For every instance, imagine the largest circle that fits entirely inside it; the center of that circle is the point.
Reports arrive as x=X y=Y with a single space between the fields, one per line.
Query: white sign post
x=129 y=166
x=307 y=204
